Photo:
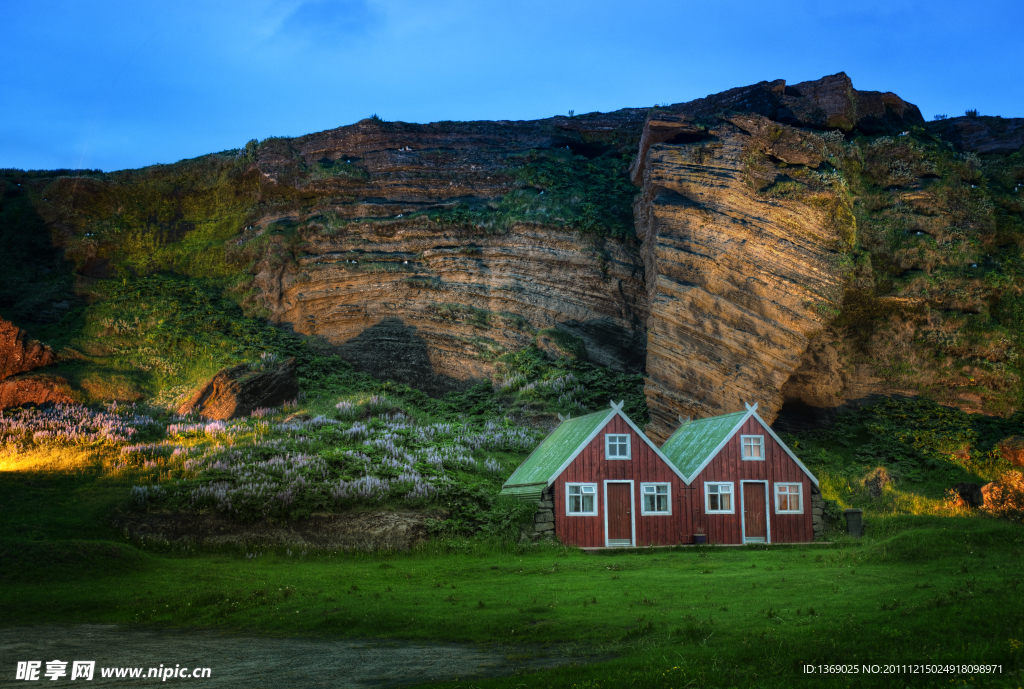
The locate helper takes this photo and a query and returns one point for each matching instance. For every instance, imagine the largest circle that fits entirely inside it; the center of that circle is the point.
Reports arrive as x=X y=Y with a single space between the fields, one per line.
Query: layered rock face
x=432 y=307
x=422 y=252
x=737 y=279
x=430 y=303
x=410 y=297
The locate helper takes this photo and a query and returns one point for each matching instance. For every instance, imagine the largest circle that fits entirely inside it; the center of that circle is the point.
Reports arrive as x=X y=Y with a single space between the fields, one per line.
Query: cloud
x=329 y=19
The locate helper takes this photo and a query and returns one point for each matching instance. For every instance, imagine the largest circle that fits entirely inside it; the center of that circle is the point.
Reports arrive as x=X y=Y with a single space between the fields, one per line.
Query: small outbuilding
x=747 y=486
x=600 y=482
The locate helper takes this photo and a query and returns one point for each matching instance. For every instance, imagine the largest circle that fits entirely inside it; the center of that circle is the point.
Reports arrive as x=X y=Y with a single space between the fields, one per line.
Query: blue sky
x=116 y=85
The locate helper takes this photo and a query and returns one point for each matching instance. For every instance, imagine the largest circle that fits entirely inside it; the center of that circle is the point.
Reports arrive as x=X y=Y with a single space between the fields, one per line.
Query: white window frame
x=607 y=445
x=707 y=497
x=568 y=500
x=743 y=446
x=799 y=495
x=643 y=502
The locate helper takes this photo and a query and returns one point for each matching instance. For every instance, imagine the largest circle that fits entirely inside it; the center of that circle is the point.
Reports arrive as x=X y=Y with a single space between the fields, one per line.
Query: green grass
x=920 y=590
x=925 y=584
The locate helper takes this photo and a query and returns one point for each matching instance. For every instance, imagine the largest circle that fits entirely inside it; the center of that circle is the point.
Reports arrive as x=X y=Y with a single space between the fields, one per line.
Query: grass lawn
x=915 y=590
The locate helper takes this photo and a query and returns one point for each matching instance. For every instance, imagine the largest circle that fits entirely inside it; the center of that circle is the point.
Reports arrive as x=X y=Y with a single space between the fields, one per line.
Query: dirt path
x=255 y=662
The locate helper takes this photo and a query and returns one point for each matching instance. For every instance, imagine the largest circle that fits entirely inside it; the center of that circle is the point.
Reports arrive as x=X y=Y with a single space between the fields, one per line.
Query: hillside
x=802 y=246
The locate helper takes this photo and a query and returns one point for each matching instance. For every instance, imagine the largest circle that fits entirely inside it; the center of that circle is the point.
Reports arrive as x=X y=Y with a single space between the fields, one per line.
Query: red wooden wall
x=776 y=467
x=645 y=466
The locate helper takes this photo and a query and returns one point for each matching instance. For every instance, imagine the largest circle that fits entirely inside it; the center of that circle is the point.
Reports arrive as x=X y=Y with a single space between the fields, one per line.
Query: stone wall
x=544 y=520
x=817 y=512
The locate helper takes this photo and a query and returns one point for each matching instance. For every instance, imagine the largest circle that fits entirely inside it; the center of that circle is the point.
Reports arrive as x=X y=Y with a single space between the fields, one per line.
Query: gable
x=629 y=427
x=564 y=444
x=695 y=442
x=785 y=448
x=692 y=447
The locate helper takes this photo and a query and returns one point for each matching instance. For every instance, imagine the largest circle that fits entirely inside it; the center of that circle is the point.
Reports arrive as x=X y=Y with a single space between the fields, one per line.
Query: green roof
x=526 y=493
x=560 y=445
x=694 y=441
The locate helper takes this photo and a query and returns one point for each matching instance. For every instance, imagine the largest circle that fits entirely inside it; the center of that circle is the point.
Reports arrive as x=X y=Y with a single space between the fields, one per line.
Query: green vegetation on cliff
x=933 y=262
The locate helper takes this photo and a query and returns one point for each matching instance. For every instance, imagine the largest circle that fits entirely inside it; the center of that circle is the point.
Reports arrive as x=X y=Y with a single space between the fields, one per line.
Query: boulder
x=34 y=389
x=827 y=103
x=970 y=494
x=982 y=134
x=1005 y=496
x=237 y=391
x=19 y=354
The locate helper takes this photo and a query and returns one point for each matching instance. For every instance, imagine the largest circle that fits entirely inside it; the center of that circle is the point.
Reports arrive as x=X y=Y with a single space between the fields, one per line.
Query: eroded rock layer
x=737 y=278
x=426 y=253
x=430 y=306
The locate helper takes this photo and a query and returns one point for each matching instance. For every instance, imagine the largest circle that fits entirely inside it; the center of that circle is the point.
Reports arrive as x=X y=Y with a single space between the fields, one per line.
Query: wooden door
x=620 y=520
x=755 y=513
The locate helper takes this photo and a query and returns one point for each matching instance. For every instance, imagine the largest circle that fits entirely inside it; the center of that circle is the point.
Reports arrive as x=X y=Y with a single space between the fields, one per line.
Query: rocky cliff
x=737 y=278
x=773 y=243
x=432 y=249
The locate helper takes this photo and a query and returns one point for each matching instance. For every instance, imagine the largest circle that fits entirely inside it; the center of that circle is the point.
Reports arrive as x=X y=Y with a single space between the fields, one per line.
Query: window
x=655 y=498
x=718 y=498
x=753 y=447
x=616 y=446
x=581 y=499
x=787 y=498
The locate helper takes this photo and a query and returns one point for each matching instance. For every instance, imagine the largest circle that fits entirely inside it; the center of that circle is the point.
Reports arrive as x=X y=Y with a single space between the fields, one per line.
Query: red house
x=747 y=486
x=600 y=482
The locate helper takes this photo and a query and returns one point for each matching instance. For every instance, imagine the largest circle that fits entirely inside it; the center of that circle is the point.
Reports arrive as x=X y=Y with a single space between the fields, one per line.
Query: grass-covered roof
x=557 y=448
x=694 y=441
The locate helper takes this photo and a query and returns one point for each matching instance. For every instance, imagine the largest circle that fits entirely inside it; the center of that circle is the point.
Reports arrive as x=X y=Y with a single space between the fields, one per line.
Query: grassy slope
x=924 y=585
x=915 y=591
x=151 y=333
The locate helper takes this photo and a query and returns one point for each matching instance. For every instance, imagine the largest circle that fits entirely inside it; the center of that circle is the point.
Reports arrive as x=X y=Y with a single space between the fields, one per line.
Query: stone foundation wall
x=817 y=512
x=544 y=520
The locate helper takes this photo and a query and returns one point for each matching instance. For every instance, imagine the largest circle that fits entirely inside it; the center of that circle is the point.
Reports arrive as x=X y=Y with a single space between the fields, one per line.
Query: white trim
x=601 y=427
x=714 y=453
x=658 y=452
x=643 y=502
x=751 y=413
x=568 y=502
x=629 y=447
x=743 y=514
x=743 y=439
x=579 y=449
x=707 y=497
x=632 y=511
x=799 y=495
